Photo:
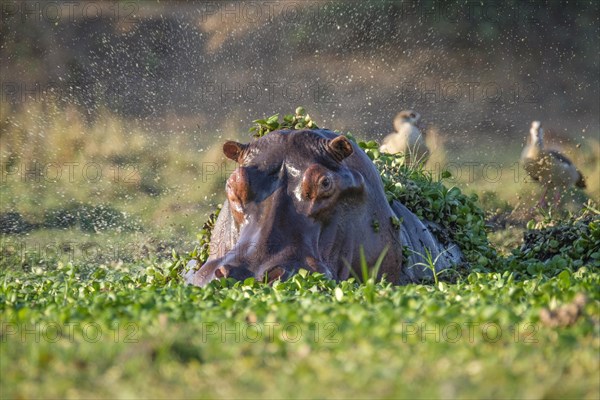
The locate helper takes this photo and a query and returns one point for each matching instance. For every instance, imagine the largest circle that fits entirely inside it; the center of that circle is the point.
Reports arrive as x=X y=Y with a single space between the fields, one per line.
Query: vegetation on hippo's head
x=298 y=120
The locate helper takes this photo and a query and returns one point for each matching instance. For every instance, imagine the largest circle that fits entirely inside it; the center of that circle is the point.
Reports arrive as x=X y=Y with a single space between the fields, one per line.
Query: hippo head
x=297 y=199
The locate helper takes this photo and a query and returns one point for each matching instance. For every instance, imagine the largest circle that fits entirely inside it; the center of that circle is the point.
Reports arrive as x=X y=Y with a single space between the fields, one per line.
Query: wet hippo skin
x=308 y=199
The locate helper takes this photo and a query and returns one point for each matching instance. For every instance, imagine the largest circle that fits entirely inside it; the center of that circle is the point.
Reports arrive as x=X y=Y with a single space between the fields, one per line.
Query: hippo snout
x=218 y=269
x=241 y=273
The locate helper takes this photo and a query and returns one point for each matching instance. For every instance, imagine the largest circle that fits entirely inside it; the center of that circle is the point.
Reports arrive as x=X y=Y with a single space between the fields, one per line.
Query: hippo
x=313 y=200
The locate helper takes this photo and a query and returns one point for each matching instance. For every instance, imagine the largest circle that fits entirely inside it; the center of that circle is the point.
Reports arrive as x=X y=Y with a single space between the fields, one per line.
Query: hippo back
x=418 y=237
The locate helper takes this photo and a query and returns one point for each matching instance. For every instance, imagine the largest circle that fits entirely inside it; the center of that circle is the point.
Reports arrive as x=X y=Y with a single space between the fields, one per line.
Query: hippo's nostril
x=275 y=273
x=221 y=272
x=236 y=272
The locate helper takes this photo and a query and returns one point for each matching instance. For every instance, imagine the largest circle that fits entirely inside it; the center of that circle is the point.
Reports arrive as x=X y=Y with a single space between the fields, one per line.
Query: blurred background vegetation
x=113 y=113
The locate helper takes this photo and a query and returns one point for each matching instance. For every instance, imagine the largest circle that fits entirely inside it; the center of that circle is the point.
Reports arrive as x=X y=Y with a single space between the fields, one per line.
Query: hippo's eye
x=325 y=184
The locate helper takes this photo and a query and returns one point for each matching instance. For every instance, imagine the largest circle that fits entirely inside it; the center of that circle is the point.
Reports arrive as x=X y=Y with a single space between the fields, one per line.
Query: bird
x=407 y=139
x=550 y=168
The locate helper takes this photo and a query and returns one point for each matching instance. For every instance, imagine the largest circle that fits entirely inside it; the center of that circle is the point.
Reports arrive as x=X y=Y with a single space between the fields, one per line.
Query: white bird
x=549 y=167
x=407 y=139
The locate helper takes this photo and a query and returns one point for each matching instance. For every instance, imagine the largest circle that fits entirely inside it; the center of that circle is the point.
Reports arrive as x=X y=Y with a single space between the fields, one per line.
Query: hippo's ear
x=233 y=150
x=340 y=148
